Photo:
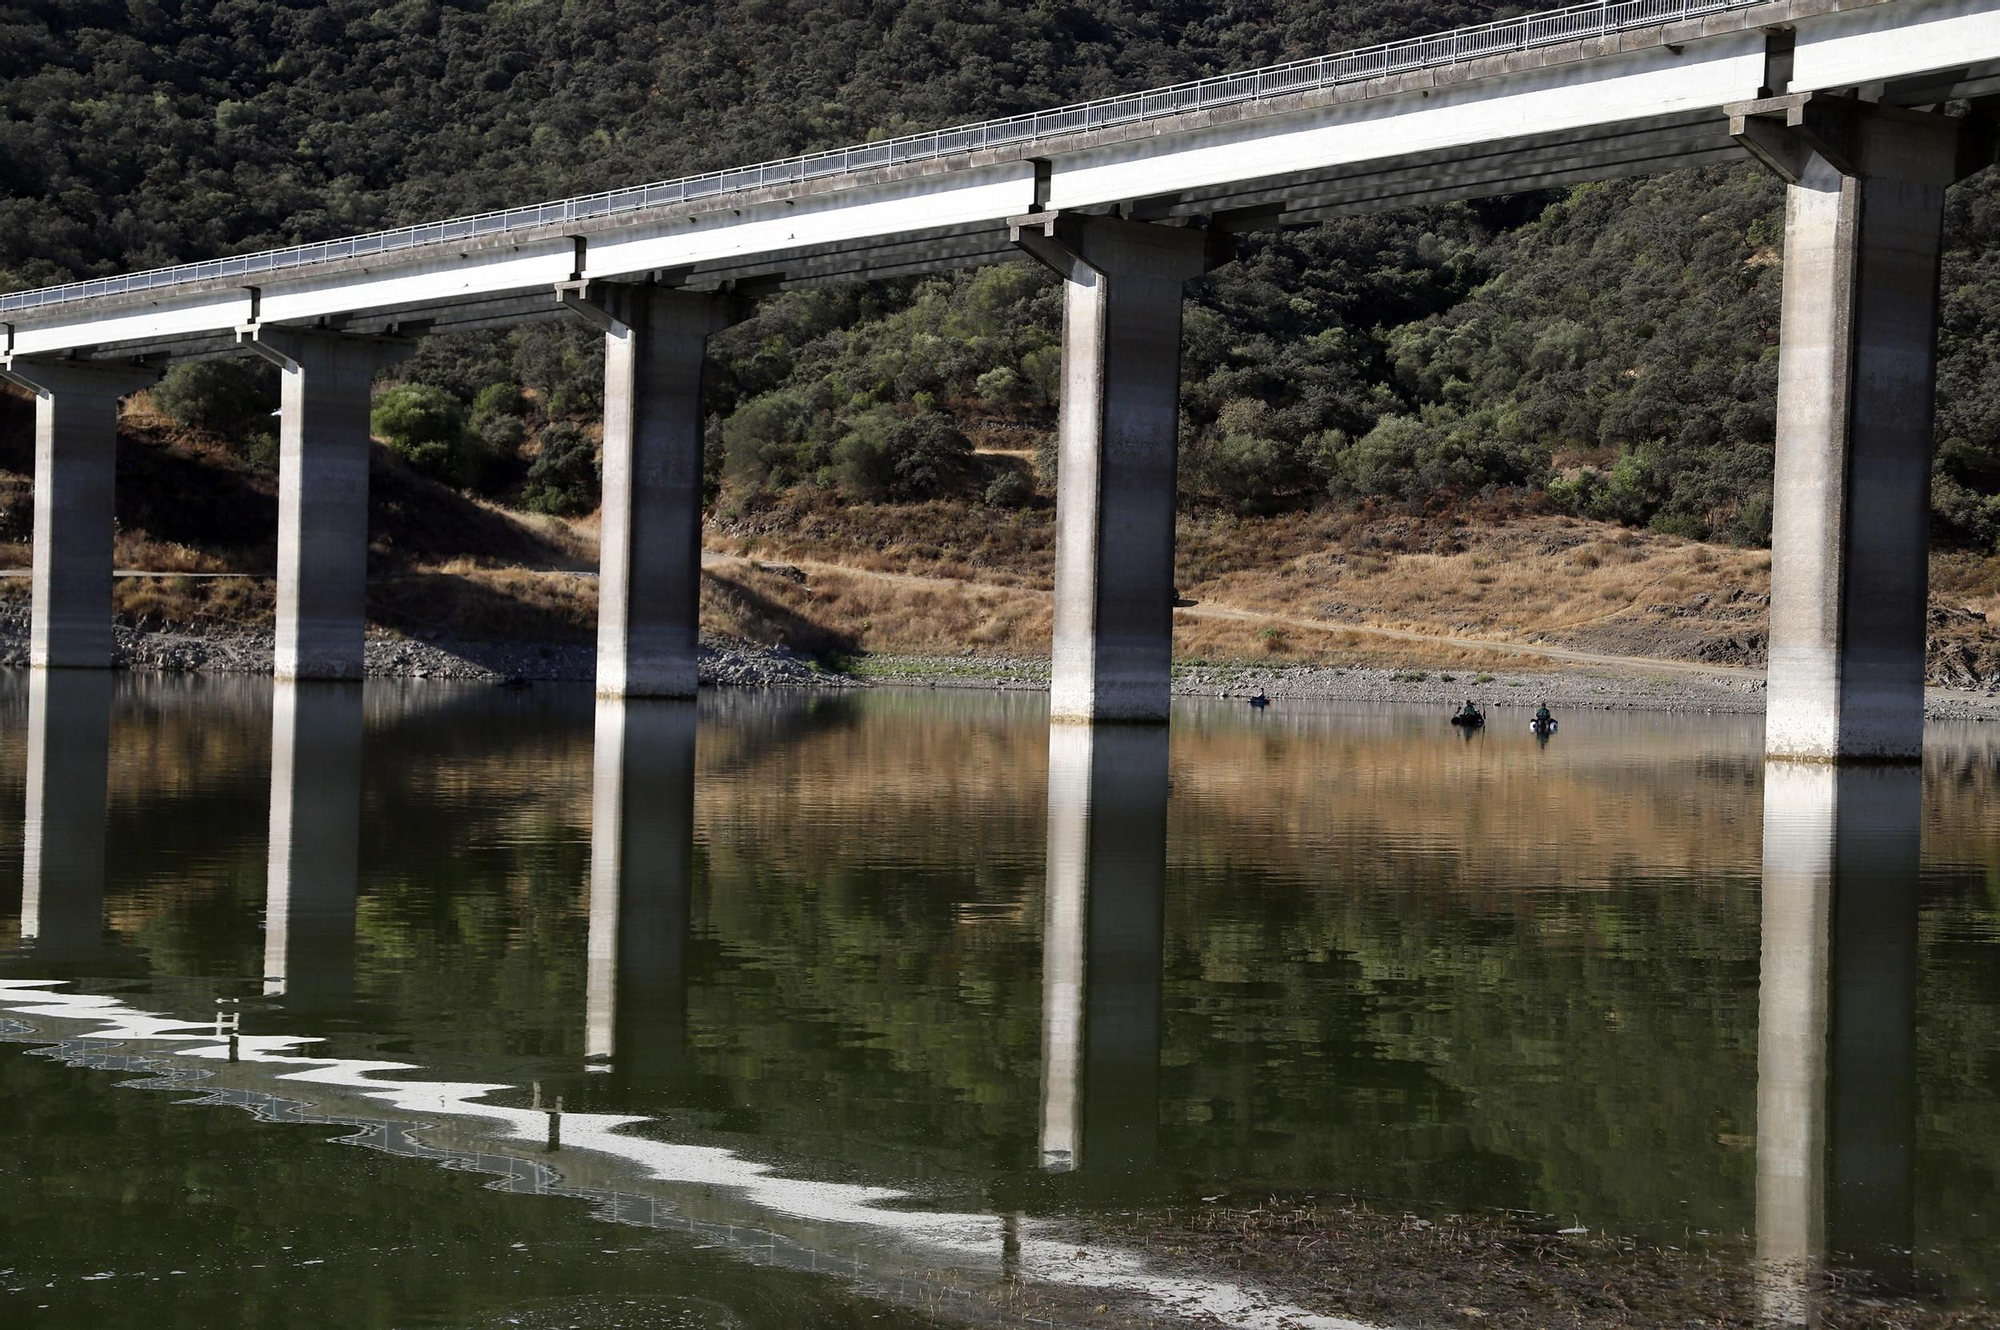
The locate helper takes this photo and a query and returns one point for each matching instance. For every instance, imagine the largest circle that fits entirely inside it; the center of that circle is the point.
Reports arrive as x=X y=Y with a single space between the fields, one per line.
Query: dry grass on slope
x=1536 y=579
x=943 y=538
x=824 y=574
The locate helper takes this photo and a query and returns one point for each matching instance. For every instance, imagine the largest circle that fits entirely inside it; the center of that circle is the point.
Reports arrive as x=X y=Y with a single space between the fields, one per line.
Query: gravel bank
x=225 y=649
x=230 y=650
x=1581 y=688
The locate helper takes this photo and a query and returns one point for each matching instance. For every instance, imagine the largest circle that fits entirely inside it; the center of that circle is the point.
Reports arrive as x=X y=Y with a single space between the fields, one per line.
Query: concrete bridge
x=1128 y=199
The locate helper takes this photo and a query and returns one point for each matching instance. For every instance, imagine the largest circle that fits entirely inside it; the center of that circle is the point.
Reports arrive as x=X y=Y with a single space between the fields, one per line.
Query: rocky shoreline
x=1671 y=688
x=229 y=649
x=1387 y=1265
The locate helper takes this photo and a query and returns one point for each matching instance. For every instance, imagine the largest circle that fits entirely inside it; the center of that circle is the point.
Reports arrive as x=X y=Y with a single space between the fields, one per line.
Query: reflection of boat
x=1540 y=726
x=1470 y=722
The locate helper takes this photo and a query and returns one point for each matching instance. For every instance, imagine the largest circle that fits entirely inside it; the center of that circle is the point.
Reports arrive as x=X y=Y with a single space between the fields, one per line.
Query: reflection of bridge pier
x=1836 y=1042
x=314 y=859
x=62 y=860
x=1102 y=933
x=641 y=880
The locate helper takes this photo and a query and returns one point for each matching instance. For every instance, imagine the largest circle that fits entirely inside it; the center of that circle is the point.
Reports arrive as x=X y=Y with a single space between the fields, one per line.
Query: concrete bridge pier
x=62 y=852
x=1857 y=371
x=1102 y=931
x=649 y=541
x=76 y=451
x=1836 y=1030
x=323 y=435
x=1118 y=447
x=641 y=887
x=313 y=864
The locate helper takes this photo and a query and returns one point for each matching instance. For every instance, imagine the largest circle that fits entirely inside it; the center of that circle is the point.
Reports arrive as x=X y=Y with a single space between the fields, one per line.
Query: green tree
x=888 y=454
x=236 y=399
x=564 y=478
x=426 y=426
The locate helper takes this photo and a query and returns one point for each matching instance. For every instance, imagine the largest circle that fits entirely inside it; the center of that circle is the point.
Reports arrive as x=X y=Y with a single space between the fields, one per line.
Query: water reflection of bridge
x=1836 y=1029
x=1836 y=1069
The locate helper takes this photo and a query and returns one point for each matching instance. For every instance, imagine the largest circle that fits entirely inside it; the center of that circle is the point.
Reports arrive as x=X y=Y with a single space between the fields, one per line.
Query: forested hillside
x=1612 y=346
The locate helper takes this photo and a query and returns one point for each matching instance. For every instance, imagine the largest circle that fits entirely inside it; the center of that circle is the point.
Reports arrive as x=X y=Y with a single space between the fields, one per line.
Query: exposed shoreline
x=1390 y=1266
x=1673 y=687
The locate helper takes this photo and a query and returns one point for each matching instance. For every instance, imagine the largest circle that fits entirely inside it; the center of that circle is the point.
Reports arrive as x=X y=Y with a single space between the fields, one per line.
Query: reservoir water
x=429 y=1005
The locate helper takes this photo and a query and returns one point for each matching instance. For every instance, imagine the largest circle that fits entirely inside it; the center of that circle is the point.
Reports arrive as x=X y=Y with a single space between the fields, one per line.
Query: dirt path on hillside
x=1244 y=614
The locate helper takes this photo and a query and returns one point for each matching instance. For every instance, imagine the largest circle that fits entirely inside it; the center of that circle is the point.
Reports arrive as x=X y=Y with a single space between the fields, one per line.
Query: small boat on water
x=1470 y=720
x=1540 y=726
x=1260 y=701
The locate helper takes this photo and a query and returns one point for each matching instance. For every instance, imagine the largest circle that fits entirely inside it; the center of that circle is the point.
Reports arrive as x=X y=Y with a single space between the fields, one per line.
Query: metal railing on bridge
x=1549 y=28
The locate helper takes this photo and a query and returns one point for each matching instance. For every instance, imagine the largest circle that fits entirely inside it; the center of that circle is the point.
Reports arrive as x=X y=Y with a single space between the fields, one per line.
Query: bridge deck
x=1589 y=92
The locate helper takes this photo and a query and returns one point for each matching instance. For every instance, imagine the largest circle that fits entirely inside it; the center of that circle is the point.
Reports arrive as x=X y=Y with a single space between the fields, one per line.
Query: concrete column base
x=324 y=383
x=1857 y=372
x=649 y=540
x=76 y=453
x=1118 y=448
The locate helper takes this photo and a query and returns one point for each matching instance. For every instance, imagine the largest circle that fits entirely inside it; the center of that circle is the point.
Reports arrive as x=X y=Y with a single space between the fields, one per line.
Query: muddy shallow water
x=432 y=1004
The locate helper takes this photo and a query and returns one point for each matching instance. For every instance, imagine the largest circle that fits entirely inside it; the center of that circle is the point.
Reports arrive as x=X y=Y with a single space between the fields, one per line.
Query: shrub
x=491 y=455
x=232 y=398
x=1249 y=468
x=1042 y=370
x=1048 y=456
x=1685 y=525
x=460 y=363
x=1377 y=462
x=499 y=399
x=502 y=434
x=1010 y=489
x=902 y=457
x=426 y=426
x=1001 y=388
x=768 y=440
x=1621 y=495
x=564 y=362
x=564 y=479
x=1966 y=514
x=411 y=415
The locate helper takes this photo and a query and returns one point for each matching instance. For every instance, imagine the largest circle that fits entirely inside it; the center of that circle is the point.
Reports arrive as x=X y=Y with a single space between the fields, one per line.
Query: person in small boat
x=1260 y=700
x=1542 y=715
x=1468 y=711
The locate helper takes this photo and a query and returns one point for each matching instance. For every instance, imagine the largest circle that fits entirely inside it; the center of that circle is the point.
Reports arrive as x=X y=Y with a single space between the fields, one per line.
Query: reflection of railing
x=1528 y=32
